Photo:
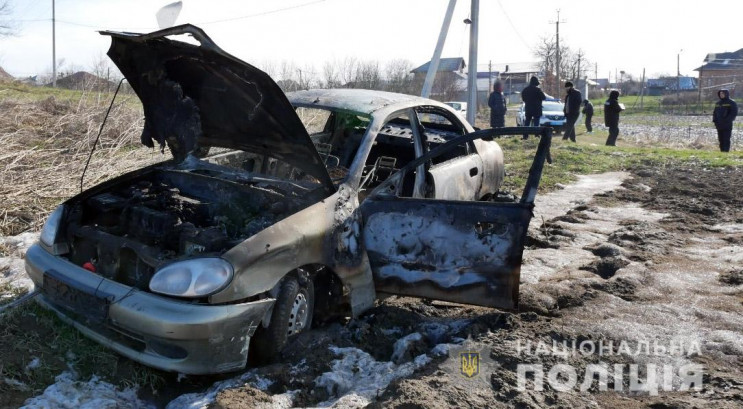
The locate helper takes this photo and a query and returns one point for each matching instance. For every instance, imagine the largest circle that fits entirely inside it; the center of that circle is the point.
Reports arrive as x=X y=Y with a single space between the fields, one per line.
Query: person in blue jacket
x=497 y=104
x=725 y=112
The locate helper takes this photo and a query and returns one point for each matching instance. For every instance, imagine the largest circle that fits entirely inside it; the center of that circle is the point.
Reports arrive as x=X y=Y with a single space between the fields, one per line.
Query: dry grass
x=44 y=143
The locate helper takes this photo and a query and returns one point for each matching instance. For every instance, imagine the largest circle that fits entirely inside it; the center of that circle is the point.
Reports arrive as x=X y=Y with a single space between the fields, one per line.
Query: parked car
x=552 y=115
x=274 y=211
x=459 y=106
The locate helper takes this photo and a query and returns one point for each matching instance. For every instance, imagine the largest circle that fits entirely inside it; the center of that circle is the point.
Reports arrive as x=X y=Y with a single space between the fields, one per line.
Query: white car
x=459 y=106
x=552 y=115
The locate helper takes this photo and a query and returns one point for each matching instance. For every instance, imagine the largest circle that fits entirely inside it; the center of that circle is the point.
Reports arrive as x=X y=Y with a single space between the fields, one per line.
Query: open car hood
x=199 y=96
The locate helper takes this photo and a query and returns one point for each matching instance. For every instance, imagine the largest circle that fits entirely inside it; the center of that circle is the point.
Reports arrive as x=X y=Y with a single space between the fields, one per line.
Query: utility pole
x=578 y=77
x=642 y=88
x=54 y=49
x=472 y=73
x=433 y=66
x=678 y=77
x=557 y=52
x=596 y=72
x=490 y=76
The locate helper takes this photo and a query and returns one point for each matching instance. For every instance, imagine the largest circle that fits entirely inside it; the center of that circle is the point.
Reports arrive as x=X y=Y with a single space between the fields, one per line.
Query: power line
x=264 y=13
x=518 y=34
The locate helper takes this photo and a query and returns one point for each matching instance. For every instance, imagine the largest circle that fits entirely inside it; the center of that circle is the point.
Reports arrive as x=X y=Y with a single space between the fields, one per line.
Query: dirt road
x=631 y=272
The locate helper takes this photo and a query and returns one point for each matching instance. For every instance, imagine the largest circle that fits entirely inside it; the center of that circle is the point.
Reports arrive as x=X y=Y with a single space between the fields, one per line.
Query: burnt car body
x=306 y=206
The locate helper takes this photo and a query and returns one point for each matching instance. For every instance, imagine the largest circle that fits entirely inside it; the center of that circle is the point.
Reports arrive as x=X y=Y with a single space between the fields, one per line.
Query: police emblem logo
x=470 y=363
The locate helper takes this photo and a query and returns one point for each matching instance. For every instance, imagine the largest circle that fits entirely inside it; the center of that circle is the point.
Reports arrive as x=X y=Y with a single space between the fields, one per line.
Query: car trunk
x=125 y=231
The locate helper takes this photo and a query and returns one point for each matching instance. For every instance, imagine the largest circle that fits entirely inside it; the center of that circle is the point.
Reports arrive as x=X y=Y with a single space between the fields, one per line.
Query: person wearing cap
x=723 y=116
x=497 y=104
x=573 y=100
x=588 y=112
x=532 y=96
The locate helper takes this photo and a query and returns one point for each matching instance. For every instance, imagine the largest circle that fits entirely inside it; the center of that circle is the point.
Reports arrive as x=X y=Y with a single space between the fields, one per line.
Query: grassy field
x=46 y=136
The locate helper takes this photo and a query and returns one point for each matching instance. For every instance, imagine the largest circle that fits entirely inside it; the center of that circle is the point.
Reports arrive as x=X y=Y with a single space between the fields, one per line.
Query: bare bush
x=45 y=146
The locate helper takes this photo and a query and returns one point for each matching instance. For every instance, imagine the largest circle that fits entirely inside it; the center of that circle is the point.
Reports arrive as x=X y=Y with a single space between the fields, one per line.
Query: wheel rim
x=299 y=314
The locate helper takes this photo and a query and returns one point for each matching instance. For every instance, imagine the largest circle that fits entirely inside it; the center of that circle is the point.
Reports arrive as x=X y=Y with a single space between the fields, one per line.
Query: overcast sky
x=624 y=35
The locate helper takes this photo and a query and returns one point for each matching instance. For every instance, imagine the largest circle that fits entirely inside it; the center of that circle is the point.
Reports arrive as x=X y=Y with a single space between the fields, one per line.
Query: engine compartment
x=126 y=232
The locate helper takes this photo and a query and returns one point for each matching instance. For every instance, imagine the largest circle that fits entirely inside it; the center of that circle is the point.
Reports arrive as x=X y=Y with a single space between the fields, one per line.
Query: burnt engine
x=126 y=233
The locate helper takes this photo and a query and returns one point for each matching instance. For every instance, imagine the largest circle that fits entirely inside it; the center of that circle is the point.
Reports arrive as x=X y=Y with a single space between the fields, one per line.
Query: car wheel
x=292 y=315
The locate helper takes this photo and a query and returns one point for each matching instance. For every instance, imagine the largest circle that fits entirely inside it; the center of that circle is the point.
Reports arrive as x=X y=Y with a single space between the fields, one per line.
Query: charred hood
x=197 y=96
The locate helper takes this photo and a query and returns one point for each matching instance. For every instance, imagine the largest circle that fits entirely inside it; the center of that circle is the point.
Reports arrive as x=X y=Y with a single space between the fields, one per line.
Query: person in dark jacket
x=725 y=112
x=588 y=112
x=532 y=96
x=612 y=108
x=573 y=99
x=497 y=104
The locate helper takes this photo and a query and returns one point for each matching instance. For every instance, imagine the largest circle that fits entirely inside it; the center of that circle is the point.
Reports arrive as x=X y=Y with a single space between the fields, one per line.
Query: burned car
x=274 y=210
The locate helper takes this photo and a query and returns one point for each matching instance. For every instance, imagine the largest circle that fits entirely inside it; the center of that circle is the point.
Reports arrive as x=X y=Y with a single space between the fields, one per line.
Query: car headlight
x=49 y=231
x=192 y=278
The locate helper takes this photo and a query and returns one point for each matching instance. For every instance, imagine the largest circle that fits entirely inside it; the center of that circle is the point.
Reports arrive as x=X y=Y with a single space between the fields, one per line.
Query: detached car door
x=460 y=251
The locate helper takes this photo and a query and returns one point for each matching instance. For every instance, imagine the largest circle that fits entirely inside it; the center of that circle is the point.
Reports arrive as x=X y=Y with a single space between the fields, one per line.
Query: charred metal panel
x=199 y=96
x=467 y=252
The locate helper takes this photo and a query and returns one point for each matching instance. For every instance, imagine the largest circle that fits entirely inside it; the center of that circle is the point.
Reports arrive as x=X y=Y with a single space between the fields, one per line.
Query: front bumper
x=157 y=331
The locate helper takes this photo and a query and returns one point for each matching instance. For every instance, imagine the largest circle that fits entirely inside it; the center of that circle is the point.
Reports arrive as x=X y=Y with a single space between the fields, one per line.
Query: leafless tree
x=7 y=26
x=347 y=71
x=399 y=78
x=330 y=73
x=572 y=64
x=368 y=75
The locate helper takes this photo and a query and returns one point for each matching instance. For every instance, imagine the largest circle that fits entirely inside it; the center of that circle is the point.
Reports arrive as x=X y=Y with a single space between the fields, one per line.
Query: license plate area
x=81 y=301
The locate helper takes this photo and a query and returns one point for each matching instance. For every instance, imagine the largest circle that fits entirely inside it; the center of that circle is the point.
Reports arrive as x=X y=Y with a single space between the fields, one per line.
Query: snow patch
x=401 y=345
x=12 y=266
x=199 y=400
x=358 y=377
x=35 y=363
x=440 y=350
x=68 y=392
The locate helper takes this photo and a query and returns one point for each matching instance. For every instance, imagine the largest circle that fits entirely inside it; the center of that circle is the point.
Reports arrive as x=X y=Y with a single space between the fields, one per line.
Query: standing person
x=573 y=99
x=725 y=112
x=532 y=96
x=612 y=108
x=497 y=104
x=588 y=112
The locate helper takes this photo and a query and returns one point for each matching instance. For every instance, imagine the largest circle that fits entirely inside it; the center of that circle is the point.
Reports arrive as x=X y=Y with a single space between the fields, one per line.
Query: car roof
x=359 y=101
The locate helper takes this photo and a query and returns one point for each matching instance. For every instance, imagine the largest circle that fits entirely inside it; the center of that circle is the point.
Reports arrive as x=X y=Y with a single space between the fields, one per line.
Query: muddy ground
x=657 y=260
x=654 y=257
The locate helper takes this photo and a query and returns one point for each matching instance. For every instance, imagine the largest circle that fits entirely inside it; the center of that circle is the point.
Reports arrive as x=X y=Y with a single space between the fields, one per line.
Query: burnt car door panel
x=466 y=252
x=453 y=250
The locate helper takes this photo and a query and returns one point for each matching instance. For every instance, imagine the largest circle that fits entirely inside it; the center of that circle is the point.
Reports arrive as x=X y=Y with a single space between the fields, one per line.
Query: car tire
x=292 y=315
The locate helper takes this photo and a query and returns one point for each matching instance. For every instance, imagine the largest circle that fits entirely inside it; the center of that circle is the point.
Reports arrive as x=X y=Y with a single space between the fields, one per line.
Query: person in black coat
x=532 y=96
x=588 y=112
x=573 y=99
x=723 y=116
x=612 y=108
x=497 y=104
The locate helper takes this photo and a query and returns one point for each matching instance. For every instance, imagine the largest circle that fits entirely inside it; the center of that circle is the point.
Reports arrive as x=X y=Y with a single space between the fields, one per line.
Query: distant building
x=721 y=70
x=485 y=81
x=447 y=83
x=667 y=85
x=515 y=76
